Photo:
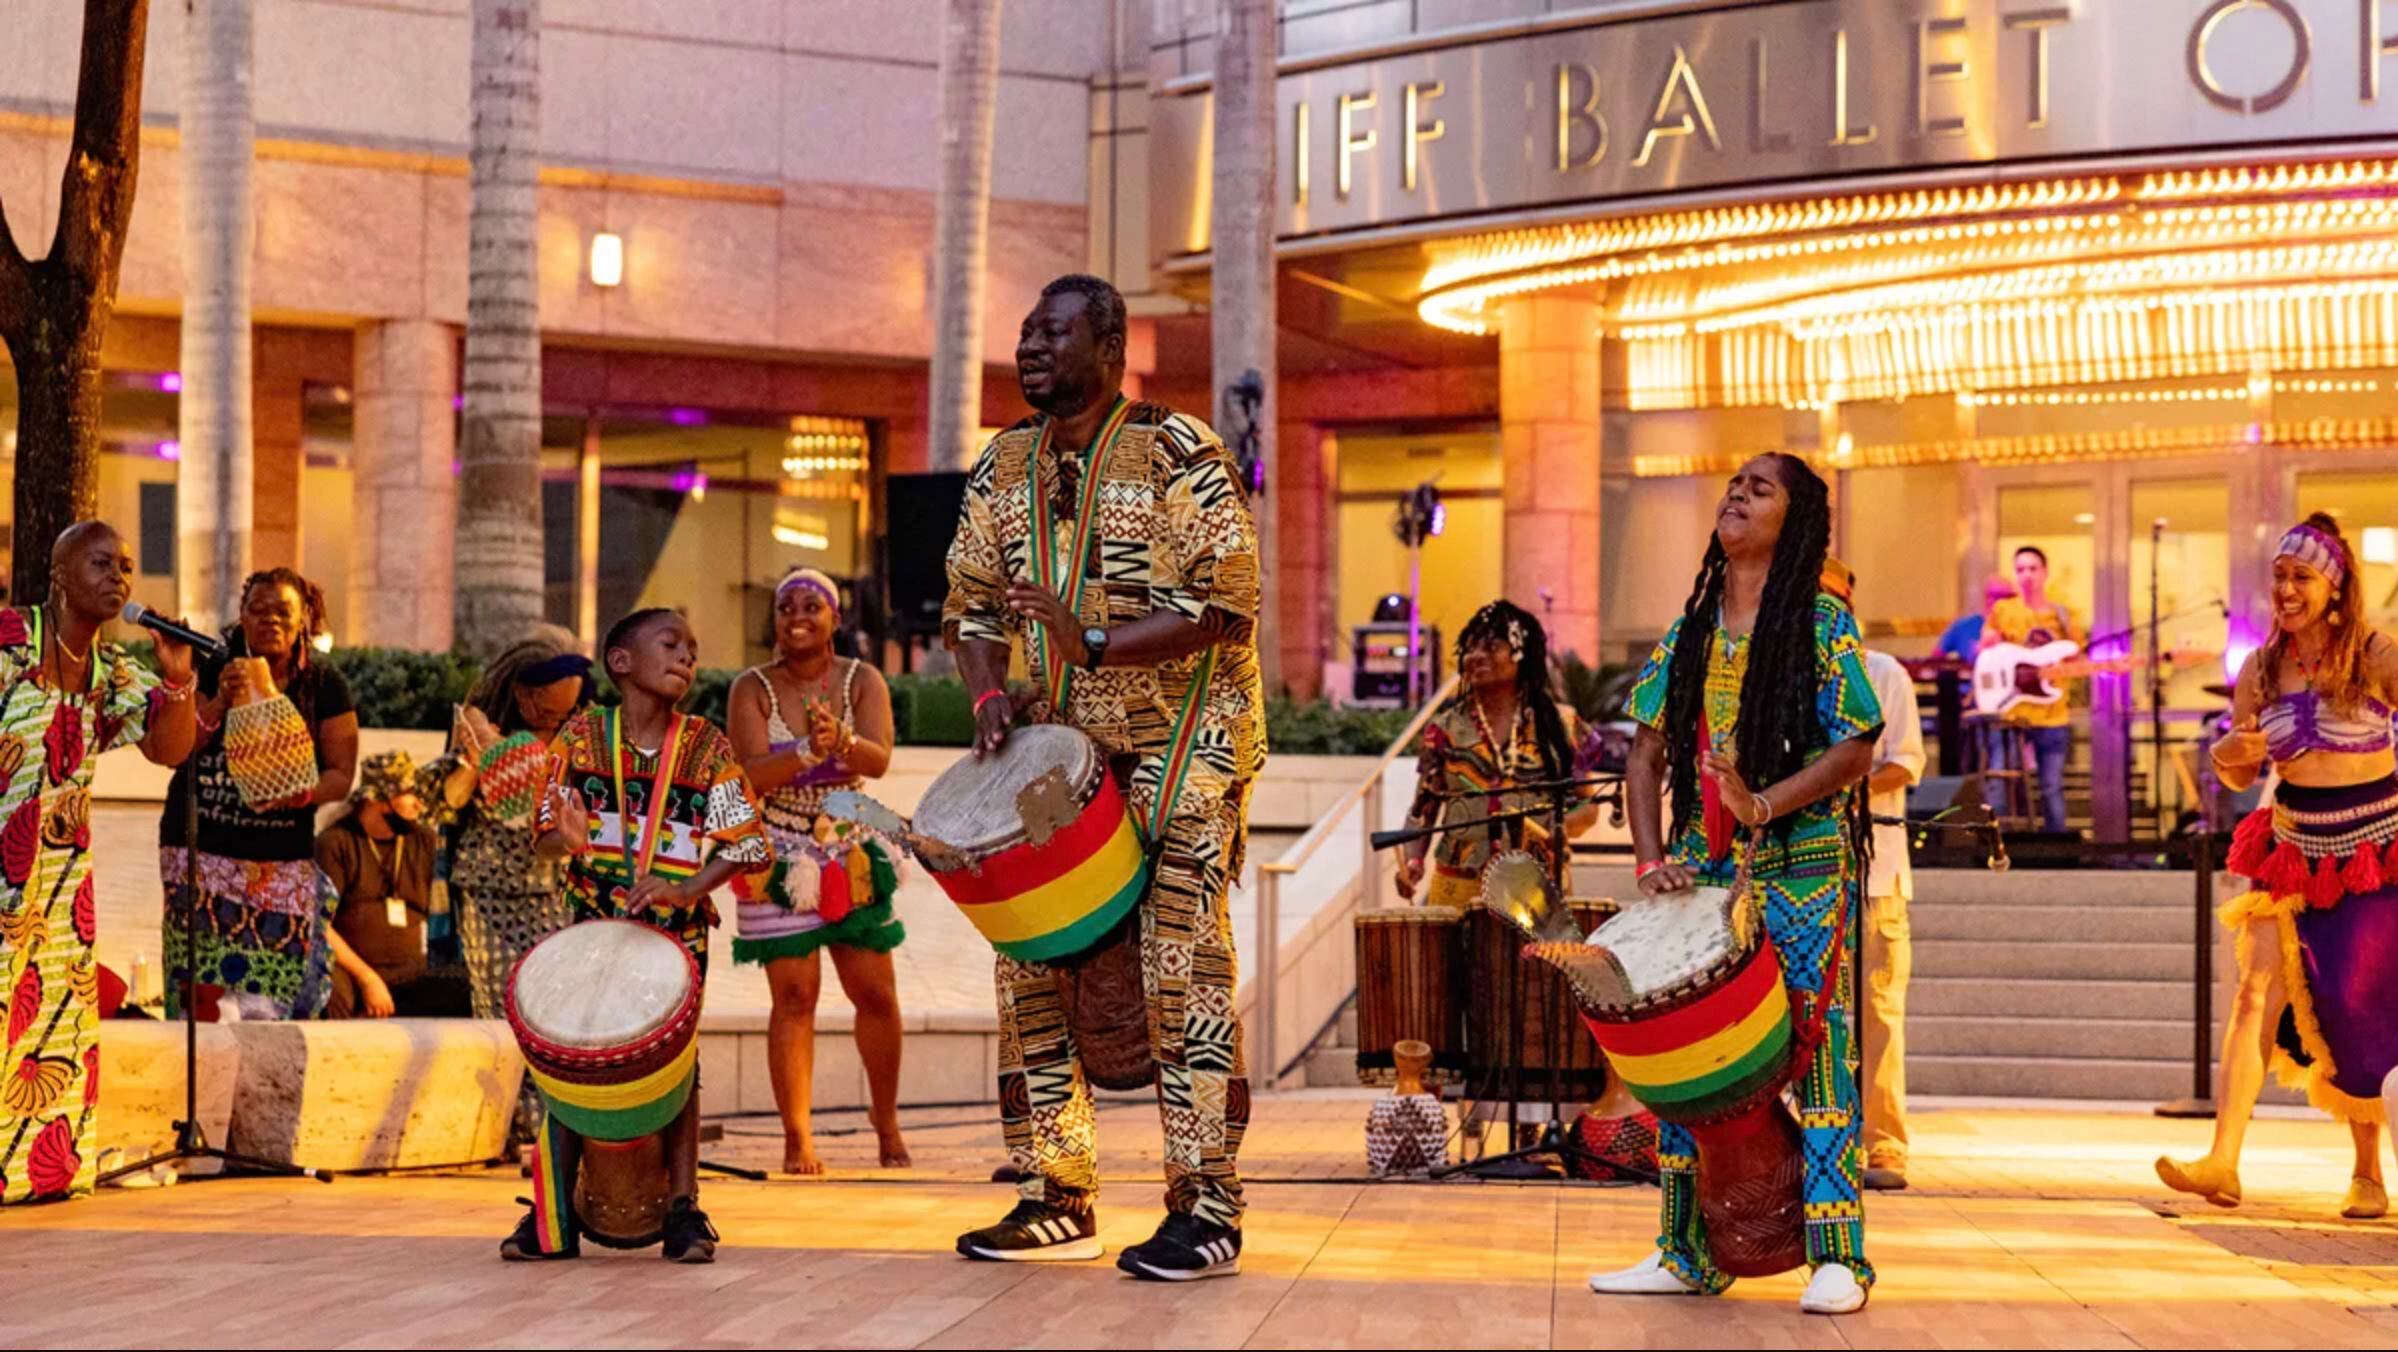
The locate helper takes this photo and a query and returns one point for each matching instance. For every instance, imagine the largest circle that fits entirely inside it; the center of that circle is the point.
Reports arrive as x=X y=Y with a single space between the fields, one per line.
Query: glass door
x=2178 y=533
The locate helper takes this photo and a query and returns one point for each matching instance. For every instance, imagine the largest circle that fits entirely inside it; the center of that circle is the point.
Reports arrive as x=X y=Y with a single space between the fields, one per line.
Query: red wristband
x=985 y=698
x=1644 y=869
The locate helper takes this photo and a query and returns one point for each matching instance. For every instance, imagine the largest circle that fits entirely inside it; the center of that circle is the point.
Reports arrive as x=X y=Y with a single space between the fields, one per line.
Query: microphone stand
x=190 y=1142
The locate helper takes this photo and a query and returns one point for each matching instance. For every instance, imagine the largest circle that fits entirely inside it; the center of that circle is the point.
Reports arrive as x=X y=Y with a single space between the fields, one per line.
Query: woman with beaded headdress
x=2318 y=928
x=1502 y=729
x=805 y=725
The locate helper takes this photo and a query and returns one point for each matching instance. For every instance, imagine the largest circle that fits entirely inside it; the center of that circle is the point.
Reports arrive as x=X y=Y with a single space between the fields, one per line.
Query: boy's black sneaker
x=524 y=1246
x=689 y=1237
x=1035 y=1232
x=1185 y=1249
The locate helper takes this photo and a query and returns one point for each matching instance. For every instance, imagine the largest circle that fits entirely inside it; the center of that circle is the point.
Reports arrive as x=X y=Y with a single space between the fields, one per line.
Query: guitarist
x=2031 y=618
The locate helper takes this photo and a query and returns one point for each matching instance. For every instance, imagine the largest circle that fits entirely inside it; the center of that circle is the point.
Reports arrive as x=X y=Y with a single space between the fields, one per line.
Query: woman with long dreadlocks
x=1757 y=711
x=1503 y=658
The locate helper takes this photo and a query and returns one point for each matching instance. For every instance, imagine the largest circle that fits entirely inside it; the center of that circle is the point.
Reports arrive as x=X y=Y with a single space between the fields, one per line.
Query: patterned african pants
x=1832 y=1162
x=1187 y=965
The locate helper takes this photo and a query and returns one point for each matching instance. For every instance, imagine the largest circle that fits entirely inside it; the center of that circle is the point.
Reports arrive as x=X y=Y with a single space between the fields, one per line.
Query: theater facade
x=2117 y=279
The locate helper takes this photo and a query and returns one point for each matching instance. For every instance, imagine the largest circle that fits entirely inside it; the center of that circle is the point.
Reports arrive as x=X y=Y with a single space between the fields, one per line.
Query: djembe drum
x=607 y=1015
x=1407 y=982
x=1035 y=844
x=1685 y=994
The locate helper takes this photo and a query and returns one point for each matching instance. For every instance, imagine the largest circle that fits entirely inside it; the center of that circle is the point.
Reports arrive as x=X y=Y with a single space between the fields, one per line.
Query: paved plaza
x=2027 y=1227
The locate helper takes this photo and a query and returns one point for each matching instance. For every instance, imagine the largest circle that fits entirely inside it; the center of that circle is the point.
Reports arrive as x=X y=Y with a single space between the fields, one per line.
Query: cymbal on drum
x=1516 y=885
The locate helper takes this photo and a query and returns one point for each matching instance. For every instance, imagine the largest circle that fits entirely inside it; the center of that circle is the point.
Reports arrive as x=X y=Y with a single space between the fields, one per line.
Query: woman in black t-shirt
x=266 y=909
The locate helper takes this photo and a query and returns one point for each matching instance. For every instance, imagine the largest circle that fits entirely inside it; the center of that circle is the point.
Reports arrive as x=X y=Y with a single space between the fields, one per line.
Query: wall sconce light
x=607 y=259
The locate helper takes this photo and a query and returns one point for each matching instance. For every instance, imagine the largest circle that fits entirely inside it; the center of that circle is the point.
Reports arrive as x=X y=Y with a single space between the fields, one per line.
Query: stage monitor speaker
x=921 y=512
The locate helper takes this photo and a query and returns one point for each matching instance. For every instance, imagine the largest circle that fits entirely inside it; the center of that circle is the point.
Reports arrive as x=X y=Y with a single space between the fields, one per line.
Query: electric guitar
x=2010 y=675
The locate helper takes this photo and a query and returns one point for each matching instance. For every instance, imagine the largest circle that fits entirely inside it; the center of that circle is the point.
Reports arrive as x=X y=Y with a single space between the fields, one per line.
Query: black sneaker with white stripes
x=1185 y=1249
x=1035 y=1232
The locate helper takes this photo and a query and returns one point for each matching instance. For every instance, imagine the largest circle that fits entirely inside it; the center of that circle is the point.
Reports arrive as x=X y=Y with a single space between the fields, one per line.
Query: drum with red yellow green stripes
x=1039 y=849
x=1698 y=1021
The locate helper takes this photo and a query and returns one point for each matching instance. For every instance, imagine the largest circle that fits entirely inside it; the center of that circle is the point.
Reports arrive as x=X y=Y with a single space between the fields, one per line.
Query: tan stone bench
x=375 y=1093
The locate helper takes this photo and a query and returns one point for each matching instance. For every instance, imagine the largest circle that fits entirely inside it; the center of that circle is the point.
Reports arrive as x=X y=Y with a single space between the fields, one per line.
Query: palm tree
x=498 y=556
x=1241 y=311
x=212 y=497
x=961 y=226
x=54 y=310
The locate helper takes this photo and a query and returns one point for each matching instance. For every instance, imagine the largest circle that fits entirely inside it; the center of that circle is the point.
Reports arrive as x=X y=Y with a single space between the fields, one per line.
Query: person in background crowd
x=266 y=910
x=1962 y=640
x=2030 y=620
x=379 y=858
x=66 y=697
x=504 y=893
x=1898 y=764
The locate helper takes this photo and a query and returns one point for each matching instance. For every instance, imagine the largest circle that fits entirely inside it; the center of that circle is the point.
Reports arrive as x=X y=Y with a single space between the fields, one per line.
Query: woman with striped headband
x=805 y=725
x=2318 y=929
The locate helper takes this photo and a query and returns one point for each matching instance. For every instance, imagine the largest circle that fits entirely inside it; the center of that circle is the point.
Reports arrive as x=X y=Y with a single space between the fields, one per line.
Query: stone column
x=1549 y=431
x=1303 y=577
x=404 y=450
x=278 y=459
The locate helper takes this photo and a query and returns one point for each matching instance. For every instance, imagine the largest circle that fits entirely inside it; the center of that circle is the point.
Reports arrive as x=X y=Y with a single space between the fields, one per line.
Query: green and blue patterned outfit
x=1806 y=880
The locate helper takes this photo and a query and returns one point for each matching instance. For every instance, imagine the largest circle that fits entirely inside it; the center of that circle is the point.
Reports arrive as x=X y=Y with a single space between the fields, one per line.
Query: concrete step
x=2012 y=997
x=2046 y=924
x=2052 y=1038
x=1345 y=1032
x=2035 y=1077
x=2062 y=960
x=1330 y=1068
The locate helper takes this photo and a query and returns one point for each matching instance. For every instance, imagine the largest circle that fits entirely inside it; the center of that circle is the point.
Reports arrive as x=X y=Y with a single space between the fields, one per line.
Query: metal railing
x=1366 y=797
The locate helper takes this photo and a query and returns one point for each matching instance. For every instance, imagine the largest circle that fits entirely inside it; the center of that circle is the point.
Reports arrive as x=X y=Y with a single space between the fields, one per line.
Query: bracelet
x=1645 y=868
x=1765 y=810
x=178 y=694
x=985 y=698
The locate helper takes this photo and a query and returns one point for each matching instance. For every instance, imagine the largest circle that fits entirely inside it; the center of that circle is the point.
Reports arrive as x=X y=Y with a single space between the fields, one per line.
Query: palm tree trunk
x=54 y=312
x=961 y=226
x=1241 y=313
x=213 y=481
x=498 y=553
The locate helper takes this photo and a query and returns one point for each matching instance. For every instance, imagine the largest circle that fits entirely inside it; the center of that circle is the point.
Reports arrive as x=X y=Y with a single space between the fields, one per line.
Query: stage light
x=2381 y=544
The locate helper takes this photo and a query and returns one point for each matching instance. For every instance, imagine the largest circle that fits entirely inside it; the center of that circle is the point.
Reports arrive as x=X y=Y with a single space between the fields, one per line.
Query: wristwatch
x=1094 y=644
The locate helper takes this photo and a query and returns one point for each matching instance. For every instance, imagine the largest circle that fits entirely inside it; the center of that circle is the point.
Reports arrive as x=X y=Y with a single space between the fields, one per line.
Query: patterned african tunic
x=1458 y=756
x=49 y=741
x=1807 y=883
x=675 y=807
x=1172 y=533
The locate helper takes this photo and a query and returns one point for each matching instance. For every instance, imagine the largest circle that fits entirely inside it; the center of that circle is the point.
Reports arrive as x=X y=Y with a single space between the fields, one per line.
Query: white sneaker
x=1648 y=1277
x=1833 y=1289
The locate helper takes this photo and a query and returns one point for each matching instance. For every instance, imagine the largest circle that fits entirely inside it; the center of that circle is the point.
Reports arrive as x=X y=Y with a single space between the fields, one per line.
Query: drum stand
x=190 y=1143
x=1555 y=1142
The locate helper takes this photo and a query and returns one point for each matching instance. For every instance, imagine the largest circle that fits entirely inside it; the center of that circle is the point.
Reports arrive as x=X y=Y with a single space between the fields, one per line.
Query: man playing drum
x=1112 y=537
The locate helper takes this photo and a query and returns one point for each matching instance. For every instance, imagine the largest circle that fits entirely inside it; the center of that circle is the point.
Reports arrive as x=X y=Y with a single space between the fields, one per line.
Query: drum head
x=972 y=808
x=602 y=983
x=1663 y=942
x=1517 y=886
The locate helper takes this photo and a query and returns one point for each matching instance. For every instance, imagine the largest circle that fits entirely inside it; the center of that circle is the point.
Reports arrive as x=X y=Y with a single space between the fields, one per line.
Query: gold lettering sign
x=2037 y=22
x=1353 y=144
x=2202 y=73
x=1584 y=112
x=1761 y=142
x=1683 y=81
x=1843 y=134
x=1417 y=132
x=1299 y=153
x=1929 y=72
x=2372 y=50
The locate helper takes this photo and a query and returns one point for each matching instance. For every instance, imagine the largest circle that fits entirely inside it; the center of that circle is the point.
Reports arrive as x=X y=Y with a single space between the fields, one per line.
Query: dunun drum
x=1557 y=1061
x=268 y=752
x=1036 y=846
x=1408 y=960
x=1685 y=993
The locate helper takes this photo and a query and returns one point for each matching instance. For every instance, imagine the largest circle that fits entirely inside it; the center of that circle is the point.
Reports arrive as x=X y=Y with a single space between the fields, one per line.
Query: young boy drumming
x=693 y=827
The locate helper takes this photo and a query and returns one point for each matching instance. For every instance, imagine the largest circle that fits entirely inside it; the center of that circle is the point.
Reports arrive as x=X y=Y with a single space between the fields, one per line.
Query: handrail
x=1367 y=797
x=1297 y=856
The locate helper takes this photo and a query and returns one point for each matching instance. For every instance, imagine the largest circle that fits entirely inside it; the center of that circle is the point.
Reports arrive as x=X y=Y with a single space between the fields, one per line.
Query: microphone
x=205 y=645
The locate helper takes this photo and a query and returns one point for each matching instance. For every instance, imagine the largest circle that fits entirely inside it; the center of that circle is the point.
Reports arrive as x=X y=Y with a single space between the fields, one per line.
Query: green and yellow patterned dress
x=49 y=741
x=1807 y=882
